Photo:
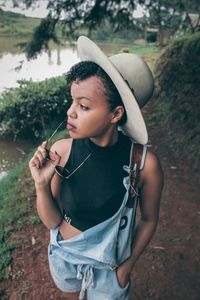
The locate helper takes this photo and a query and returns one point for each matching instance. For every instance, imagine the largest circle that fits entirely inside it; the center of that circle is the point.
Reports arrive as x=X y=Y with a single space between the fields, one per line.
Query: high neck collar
x=99 y=150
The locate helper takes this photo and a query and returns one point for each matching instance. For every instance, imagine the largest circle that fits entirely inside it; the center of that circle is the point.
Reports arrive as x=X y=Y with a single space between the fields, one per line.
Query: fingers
x=42 y=151
x=55 y=157
x=42 y=155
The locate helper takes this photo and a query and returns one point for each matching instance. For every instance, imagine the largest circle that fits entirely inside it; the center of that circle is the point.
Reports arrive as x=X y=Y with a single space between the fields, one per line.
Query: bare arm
x=47 y=183
x=47 y=207
x=151 y=189
x=152 y=184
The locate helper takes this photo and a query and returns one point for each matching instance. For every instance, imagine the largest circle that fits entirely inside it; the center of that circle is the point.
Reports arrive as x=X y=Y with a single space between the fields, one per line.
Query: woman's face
x=89 y=115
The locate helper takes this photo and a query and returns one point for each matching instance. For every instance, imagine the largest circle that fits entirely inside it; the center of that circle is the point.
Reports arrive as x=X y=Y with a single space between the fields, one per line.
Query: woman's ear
x=117 y=114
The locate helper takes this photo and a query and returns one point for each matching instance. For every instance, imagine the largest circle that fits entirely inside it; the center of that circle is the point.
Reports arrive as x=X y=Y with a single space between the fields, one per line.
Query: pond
x=14 y=66
x=12 y=153
x=53 y=62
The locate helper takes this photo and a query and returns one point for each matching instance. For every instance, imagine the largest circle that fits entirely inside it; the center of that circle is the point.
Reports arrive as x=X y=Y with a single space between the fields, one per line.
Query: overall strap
x=137 y=159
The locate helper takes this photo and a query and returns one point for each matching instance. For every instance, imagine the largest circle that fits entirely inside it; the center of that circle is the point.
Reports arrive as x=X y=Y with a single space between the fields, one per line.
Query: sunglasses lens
x=50 y=155
x=61 y=171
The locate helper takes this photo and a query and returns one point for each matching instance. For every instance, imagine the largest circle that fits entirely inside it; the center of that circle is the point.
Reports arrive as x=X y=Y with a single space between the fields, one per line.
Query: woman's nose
x=71 y=112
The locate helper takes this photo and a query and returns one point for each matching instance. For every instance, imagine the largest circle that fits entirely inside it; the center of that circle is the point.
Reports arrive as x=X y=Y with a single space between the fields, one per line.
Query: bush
x=28 y=110
x=177 y=91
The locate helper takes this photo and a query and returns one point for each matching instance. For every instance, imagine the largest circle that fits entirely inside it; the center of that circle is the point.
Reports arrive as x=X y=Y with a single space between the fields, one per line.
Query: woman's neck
x=107 y=140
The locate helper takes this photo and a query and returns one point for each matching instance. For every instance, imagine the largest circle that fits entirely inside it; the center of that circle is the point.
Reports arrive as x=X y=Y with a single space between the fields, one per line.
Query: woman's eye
x=83 y=107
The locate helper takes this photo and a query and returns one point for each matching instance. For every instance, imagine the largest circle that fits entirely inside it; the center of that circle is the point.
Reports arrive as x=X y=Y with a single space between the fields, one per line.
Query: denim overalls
x=88 y=260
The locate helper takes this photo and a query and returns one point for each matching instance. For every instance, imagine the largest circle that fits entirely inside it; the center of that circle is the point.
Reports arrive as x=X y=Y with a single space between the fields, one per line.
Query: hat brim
x=135 y=126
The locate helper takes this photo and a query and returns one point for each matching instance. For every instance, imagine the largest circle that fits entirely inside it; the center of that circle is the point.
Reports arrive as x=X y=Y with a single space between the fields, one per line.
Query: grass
x=15 y=204
x=17 y=197
x=148 y=52
x=16 y=24
x=143 y=50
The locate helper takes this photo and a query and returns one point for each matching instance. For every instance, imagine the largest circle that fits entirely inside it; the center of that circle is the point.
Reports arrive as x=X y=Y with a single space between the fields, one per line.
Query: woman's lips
x=70 y=126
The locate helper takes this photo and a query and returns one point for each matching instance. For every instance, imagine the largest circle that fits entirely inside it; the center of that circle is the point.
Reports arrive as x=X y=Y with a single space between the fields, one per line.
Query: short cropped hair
x=86 y=69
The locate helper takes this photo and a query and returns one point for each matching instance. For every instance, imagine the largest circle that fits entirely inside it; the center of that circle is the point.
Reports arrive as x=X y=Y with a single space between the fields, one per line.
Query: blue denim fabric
x=88 y=260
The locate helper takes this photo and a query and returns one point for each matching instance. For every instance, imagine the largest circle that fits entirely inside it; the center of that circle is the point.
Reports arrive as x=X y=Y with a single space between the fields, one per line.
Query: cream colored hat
x=133 y=80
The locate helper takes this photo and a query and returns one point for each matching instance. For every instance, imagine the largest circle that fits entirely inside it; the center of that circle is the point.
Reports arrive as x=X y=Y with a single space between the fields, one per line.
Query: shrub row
x=29 y=110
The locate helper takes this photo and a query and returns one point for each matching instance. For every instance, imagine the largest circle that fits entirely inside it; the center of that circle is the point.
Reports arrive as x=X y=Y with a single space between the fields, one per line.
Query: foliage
x=169 y=16
x=76 y=15
x=79 y=14
x=177 y=92
x=28 y=110
x=42 y=34
x=106 y=32
x=162 y=12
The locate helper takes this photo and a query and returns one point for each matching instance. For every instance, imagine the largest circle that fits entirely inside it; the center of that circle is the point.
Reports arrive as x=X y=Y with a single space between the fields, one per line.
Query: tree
x=74 y=15
x=168 y=14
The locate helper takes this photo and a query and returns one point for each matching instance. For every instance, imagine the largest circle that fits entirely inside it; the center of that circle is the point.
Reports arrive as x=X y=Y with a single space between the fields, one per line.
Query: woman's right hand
x=42 y=169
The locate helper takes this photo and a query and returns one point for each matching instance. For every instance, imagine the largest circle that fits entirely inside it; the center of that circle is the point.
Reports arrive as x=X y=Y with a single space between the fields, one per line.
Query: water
x=14 y=66
x=12 y=153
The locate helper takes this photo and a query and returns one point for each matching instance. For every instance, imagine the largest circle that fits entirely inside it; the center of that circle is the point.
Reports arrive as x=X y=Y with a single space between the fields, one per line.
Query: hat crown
x=136 y=74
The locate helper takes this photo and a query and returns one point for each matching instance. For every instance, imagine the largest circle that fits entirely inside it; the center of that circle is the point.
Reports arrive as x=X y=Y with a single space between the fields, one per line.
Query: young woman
x=84 y=192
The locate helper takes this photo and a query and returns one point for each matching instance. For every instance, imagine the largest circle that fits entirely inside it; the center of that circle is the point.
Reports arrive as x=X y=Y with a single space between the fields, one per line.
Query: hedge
x=27 y=111
x=177 y=93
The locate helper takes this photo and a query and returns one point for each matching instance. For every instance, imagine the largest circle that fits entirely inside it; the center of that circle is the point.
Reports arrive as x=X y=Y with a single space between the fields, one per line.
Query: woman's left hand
x=123 y=273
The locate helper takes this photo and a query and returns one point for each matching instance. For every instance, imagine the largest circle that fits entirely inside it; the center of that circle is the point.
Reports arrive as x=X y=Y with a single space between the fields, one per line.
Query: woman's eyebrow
x=83 y=97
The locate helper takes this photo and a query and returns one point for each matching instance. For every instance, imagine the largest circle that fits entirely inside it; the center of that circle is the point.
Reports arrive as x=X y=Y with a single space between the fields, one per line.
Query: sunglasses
x=48 y=152
x=50 y=156
x=61 y=171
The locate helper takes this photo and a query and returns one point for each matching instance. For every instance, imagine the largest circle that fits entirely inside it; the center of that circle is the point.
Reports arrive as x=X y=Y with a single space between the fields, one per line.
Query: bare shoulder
x=152 y=161
x=63 y=148
x=152 y=167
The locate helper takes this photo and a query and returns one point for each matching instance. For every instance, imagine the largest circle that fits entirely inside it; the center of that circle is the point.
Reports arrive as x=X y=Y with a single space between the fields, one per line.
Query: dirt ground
x=169 y=269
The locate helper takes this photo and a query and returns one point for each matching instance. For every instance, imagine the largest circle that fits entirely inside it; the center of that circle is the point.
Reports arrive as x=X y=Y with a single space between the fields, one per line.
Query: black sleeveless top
x=95 y=191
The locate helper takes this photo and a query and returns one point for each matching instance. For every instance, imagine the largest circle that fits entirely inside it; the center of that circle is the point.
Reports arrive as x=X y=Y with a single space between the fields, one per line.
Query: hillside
x=12 y=24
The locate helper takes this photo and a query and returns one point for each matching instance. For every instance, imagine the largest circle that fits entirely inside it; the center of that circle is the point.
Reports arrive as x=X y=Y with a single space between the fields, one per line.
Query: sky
x=41 y=12
x=38 y=12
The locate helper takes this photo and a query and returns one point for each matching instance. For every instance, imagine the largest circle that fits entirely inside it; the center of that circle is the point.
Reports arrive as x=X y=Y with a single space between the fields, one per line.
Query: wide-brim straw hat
x=133 y=80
